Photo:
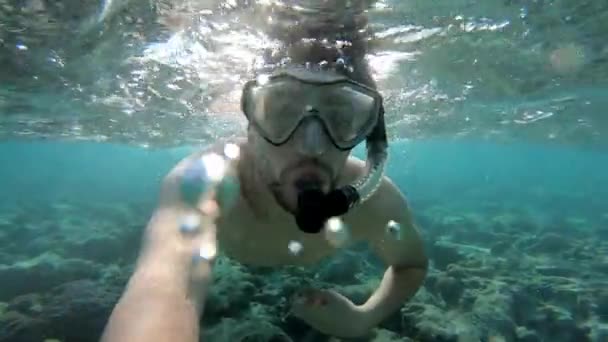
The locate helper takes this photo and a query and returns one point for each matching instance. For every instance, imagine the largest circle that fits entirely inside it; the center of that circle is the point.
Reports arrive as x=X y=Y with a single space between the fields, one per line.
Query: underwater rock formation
x=507 y=283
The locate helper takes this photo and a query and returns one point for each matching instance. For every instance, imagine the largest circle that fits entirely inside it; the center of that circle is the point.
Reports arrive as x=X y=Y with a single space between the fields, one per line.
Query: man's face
x=307 y=160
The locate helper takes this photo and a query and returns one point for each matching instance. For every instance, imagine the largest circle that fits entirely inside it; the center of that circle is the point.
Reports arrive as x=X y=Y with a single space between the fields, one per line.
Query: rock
x=383 y=335
x=525 y=335
x=17 y=327
x=471 y=236
x=493 y=310
x=602 y=306
x=551 y=243
x=29 y=304
x=342 y=269
x=503 y=223
x=501 y=247
x=556 y=324
x=99 y=248
x=569 y=297
x=450 y=289
x=245 y=329
x=442 y=256
x=431 y=280
x=450 y=224
x=600 y=333
x=232 y=290
x=578 y=224
x=557 y=271
x=457 y=271
x=601 y=267
x=78 y=310
x=602 y=231
x=41 y=274
x=526 y=301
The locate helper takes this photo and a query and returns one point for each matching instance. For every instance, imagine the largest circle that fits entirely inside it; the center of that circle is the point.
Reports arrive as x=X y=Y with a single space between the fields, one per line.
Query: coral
x=342 y=269
x=551 y=243
x=602 y=306
x=442 y=256
x=29 y=304
x=232 y=330
x=502 y=274
x=450 y=289
x=383 y=335
x=231 y=292
x=17 y=327
x=41 y=273
x=255 y=324
x=84 y=301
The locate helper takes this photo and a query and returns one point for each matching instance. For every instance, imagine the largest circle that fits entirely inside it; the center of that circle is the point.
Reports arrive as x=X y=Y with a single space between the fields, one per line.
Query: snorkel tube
x=315 y=207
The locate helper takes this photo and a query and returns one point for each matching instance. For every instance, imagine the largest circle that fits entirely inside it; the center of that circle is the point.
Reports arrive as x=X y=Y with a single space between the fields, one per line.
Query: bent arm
x=405 y=256
x=397 y=286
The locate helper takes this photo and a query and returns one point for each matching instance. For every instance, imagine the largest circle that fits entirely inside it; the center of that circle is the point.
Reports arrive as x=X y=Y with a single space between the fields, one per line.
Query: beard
x=302 y=176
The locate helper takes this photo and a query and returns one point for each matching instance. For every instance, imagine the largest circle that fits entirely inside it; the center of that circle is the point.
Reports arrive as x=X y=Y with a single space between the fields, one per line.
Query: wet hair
x=344 y=44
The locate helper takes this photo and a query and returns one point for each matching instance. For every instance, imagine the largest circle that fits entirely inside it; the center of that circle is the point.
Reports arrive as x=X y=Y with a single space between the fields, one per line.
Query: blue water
x=473 y=182
x=524 y=224
x=464 y=173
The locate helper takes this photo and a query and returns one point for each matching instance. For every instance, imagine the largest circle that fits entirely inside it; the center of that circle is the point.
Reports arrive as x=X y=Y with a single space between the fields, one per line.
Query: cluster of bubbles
x=337 y=233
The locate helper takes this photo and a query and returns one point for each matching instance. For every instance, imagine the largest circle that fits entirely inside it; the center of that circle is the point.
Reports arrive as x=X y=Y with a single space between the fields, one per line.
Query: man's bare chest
x=271 y=244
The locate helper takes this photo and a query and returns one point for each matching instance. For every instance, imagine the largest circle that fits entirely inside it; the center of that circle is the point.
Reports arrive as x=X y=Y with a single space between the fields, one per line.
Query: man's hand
x=182 y=232
x=331 y=313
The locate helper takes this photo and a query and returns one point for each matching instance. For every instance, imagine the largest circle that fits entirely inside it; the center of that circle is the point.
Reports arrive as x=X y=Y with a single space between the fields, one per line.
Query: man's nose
x=311 y=138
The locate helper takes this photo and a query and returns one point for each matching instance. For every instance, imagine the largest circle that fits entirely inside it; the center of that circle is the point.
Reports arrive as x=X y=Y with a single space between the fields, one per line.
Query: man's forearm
x=153 y=308
x=164 y=296
x=160 y=302
x=397 y=286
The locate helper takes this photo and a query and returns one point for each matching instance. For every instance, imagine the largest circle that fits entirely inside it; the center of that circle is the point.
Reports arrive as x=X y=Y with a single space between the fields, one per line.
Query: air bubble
x=336 y=232
x=206 y=252
x=232 y=151
x=393 y=229
x=190 y=224
x=295 y=247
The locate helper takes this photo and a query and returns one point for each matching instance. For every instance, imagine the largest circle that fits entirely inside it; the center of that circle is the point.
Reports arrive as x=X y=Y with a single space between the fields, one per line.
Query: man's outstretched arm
x=404 y=254
x=157 y=304
x=164 y=296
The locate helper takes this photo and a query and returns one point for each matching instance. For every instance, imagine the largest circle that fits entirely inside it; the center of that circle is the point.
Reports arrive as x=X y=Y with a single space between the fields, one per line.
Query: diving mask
x=277 y=103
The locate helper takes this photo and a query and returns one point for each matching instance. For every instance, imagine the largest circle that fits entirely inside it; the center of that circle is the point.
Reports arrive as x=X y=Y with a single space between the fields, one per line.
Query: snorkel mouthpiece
x=315 y=207
x=310 y=215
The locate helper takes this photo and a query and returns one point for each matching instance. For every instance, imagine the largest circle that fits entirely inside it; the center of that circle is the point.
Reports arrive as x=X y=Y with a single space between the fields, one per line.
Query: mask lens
x=271 y=109
x=350 y=112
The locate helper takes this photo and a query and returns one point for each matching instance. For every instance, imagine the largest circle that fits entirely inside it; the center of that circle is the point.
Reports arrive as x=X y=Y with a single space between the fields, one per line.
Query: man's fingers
x=200 y=246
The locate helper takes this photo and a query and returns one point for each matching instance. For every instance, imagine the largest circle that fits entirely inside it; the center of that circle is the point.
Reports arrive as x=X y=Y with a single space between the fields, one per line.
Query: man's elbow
x=416 y=261
x=417 y=268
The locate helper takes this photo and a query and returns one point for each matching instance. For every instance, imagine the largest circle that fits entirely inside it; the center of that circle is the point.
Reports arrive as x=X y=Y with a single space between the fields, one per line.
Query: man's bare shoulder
x=387 y=203
x=388 y=196
x=405 y=247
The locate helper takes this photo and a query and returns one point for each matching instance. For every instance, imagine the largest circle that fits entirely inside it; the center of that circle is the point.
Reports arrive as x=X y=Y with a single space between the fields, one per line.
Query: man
x=307 y=106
